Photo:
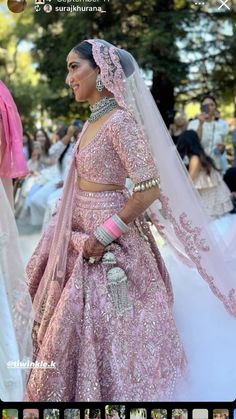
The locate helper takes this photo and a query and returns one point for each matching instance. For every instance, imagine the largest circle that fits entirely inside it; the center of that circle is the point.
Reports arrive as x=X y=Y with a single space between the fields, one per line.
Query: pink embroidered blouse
x=118 y=150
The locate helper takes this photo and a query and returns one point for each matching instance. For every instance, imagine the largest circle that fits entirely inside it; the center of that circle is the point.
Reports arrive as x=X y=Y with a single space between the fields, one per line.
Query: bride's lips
x=76 y=87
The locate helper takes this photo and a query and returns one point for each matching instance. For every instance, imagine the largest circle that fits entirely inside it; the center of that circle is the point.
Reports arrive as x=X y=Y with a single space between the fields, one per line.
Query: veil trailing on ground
x=181 y=218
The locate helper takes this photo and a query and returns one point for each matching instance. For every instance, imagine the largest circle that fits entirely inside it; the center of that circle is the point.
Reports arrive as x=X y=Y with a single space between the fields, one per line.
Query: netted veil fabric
x=182 y=217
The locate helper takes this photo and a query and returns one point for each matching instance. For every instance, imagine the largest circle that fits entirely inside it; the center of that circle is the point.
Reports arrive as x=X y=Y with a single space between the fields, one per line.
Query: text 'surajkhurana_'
x=30 y=364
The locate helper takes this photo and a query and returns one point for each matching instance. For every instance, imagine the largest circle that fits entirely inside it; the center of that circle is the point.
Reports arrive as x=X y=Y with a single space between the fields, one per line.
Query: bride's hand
x=93 y=249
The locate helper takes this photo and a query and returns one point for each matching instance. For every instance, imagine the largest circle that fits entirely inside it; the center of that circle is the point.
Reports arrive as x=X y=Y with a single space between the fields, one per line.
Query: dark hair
x=47 y=142
x=190 y=145
x=61 y=131
x=85 y=51
x=230 y=178
x=208 y=97
x=29 y=142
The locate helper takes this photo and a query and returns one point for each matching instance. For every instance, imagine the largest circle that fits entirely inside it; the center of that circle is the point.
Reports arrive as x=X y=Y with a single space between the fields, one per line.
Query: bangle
x=142 y=186
x=111 y=230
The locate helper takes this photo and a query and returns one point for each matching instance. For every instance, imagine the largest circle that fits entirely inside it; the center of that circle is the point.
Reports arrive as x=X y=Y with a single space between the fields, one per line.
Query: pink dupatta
x=12 y=160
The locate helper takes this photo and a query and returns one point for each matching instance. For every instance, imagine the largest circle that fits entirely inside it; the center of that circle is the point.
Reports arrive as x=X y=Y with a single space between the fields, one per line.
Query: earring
x=99 y=83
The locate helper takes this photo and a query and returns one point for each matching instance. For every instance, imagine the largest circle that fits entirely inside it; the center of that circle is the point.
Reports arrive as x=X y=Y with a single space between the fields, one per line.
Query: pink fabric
x=112 y=228
x=13 y=162
x=100 y=355
x=123 y=142
x=54 y=275
x=73 y=300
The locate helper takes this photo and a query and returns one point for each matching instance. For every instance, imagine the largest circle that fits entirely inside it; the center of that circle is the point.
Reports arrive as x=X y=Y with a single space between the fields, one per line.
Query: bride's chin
x=79 y=97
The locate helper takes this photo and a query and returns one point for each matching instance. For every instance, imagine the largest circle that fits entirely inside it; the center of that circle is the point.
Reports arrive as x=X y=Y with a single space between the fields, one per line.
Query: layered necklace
x=101 y=107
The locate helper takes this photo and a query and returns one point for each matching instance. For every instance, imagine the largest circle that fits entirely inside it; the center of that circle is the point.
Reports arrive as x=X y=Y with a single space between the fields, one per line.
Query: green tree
x=148 y=29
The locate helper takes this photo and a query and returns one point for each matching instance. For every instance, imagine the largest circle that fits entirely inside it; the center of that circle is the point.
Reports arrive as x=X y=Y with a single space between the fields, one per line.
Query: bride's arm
x=138 y=203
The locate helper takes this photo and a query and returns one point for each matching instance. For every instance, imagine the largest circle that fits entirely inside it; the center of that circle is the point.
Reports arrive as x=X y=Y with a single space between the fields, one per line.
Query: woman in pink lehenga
x=100 y=289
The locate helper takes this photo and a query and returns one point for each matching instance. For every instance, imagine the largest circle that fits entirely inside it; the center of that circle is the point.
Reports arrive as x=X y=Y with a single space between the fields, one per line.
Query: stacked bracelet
x=111 y=230
x=139 y=187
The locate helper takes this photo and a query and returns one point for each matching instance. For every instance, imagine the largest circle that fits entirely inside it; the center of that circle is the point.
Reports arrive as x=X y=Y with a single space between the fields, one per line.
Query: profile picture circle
x=47 y=8
x=16 y=6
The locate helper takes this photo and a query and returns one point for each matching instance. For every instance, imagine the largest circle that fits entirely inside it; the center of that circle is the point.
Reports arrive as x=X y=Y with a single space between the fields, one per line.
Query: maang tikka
x=99 y=83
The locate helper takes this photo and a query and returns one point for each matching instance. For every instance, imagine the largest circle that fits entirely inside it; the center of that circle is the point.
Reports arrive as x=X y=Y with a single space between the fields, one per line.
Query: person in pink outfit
x=101 y=292
x=12 y=160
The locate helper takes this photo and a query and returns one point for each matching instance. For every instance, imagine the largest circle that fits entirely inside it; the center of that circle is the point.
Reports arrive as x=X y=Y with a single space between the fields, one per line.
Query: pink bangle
x=112 y=228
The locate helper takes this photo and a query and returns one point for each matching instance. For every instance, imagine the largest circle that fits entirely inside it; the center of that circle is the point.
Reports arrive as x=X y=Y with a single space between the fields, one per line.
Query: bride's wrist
x=110 y=230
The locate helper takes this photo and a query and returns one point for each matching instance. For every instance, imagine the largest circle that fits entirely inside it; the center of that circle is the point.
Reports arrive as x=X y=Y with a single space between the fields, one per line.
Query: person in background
x=205 y=175
x=63 y=164
x=27 y=145
x=179 y=125
x=223 y=123
x=42 y=137
x=234 y=146
x=35 y=167
x=225 y=129
x=210 y=131
x=61 y=152
x=42 y=168
x=230 y=180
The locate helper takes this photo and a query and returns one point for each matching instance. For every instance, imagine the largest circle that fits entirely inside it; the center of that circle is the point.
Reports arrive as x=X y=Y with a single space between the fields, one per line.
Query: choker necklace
x=101 y=107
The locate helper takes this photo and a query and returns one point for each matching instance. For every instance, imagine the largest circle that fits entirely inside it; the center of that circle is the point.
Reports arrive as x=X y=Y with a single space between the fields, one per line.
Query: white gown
x=39 y=201
x=11 y=379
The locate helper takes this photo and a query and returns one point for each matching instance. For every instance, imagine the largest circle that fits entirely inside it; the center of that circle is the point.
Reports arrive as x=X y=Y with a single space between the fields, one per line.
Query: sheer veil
x=181 y=219
x=178 y=215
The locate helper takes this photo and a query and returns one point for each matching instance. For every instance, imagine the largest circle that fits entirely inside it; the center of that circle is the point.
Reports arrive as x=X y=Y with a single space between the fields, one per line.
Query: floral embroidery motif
x=194 y=245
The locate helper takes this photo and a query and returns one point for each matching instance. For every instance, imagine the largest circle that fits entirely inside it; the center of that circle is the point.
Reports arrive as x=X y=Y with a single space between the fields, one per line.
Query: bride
x=101 y=292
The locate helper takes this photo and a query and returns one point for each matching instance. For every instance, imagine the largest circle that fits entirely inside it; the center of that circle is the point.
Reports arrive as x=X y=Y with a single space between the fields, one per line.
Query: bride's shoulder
x=122 y=116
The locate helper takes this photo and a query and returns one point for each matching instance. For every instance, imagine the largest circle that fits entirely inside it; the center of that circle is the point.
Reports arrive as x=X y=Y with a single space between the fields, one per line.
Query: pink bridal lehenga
x=112 y=335
x=108 y=326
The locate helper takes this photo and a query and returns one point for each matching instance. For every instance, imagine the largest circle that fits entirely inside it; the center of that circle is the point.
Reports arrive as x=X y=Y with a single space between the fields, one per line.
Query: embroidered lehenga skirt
x=112 y=336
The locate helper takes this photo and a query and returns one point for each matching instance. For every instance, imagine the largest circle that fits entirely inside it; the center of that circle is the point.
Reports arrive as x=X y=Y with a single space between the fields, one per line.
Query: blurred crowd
x=208 y=150
x=48 y=159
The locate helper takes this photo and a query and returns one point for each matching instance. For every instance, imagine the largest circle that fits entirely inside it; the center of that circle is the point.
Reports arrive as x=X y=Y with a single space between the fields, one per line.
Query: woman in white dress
x=215 y=194
x=63 y=147
x=15 y=304
x=210 y=132
x=64 y=163
x=42 y=167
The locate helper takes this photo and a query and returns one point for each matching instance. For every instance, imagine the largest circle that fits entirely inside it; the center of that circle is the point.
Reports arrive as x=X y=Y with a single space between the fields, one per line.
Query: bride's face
x=81 y=77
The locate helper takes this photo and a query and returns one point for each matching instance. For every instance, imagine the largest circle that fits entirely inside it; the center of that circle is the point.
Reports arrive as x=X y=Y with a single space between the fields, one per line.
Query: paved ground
x=29 y=237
